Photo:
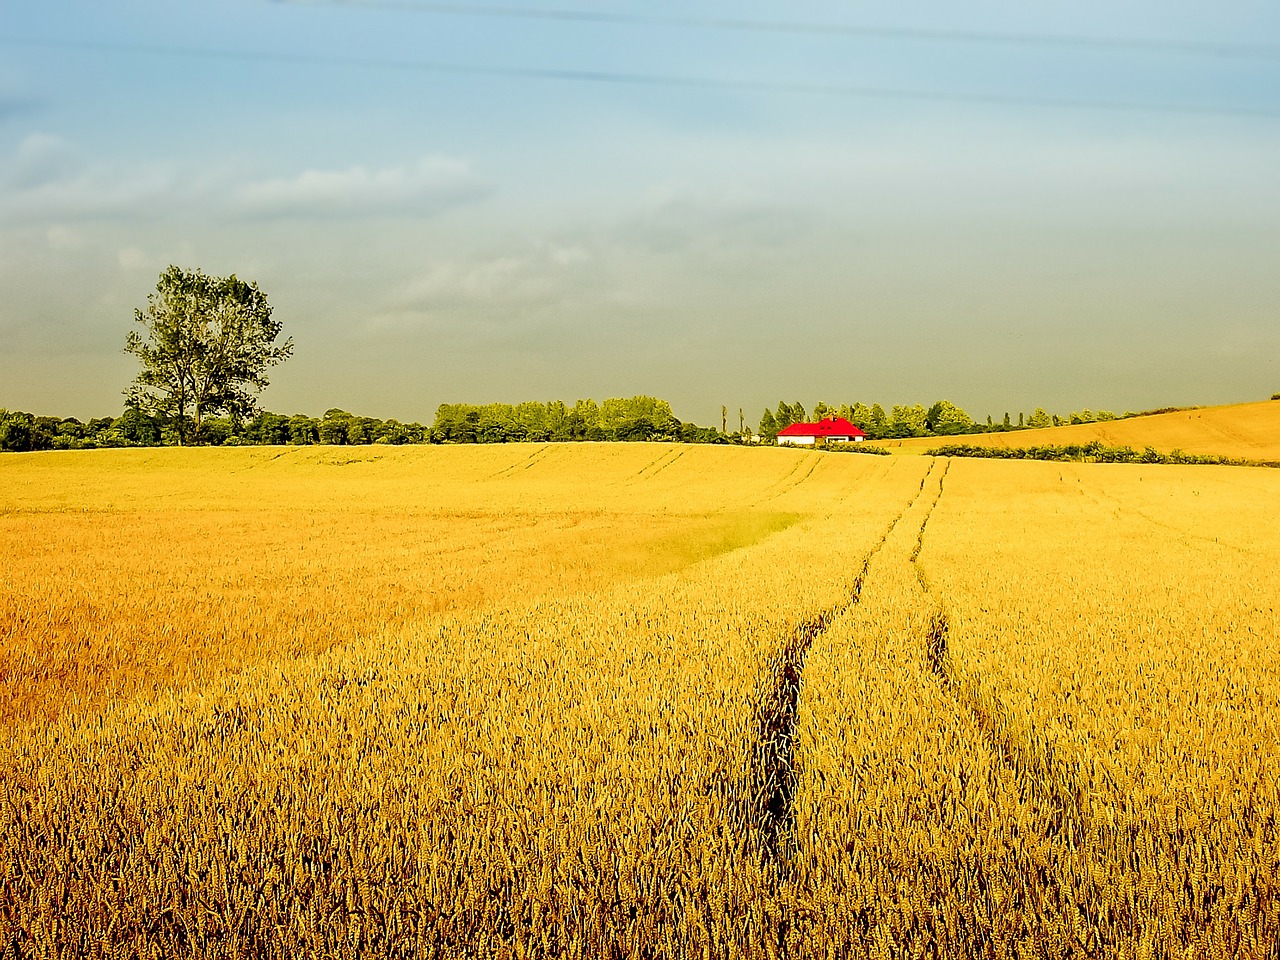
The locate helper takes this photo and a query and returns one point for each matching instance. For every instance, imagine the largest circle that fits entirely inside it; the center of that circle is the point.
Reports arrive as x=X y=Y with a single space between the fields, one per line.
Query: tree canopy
x=208 y=343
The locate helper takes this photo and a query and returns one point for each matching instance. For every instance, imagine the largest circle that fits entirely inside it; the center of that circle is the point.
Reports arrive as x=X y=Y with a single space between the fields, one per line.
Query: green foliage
x=333 y=428
x=945 y=419
x=788 y=415
x=22 y=432
x=1093 y=452
x=1155 y=411
x=18 y=433
x=907 y=421
x=268 y=428
x=625 y=419
x=208 y=344
x=303 y=430
x=768 y=426
x=857 y=448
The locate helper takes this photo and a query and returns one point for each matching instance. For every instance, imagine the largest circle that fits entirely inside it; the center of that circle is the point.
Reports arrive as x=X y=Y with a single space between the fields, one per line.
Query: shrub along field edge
x=1094 y=452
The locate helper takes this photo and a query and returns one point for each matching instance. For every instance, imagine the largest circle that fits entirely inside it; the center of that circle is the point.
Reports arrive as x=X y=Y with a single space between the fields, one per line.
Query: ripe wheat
x=640 y=701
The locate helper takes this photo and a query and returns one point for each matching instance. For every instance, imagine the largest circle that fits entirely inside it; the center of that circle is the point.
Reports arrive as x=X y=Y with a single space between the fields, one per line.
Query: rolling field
x=636 y=700
x=1247 y=431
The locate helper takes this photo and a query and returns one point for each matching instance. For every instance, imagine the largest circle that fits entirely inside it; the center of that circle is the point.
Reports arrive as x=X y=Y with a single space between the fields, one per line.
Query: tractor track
x=778 y=487
x=771 y=794
x=1038 y=773
x=656 y=466
x=526 y=463
x=668 y=463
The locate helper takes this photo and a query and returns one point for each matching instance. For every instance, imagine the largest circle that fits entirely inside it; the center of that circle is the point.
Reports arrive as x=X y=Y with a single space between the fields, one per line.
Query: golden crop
x=1248 y=431
x=636 y=700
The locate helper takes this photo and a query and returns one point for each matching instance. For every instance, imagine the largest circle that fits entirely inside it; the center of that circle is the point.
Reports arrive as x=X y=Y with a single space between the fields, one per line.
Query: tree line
x=618 y=419
x=204 y=346
x=635 y=418
x=942 y=419
x=206 y=343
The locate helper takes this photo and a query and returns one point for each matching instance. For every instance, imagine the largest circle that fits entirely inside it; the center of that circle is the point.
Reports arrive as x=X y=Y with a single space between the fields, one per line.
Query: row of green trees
x=635 y=418
x=942 y=419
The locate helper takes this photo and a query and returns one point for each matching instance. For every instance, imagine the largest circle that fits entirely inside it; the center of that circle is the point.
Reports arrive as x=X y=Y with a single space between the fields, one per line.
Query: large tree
x=206 y=350
x=946 y=419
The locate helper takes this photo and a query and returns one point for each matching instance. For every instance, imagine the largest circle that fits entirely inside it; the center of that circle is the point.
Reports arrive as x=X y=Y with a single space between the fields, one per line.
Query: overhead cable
x=639 y=79
x=1199 y=48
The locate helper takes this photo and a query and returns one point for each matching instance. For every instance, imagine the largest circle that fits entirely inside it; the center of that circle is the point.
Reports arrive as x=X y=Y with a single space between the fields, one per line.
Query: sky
x=1004 y=204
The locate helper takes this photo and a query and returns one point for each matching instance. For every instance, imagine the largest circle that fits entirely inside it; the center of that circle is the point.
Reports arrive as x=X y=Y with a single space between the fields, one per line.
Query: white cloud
x=44 y=180
x=433 y=184
x=518 y=294
x=500 y=280
x=95 y=194
x=63 y=238
x=568 y=256
x=131 y=258
x=41 y=159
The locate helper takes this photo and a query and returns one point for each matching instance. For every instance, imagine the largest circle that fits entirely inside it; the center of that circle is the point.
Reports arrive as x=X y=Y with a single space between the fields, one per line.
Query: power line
x=621 y=78
x=1198 y=48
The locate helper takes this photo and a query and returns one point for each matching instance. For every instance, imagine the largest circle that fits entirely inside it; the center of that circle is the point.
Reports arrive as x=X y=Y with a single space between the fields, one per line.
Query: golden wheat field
x=636 y=700
x=1245 y=431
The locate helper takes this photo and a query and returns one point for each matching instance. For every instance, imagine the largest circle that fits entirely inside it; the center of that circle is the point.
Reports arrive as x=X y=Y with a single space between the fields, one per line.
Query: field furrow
x=1141 y=691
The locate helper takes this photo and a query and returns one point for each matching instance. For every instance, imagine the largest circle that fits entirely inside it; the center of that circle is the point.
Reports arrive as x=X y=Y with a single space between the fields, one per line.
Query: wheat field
x=1245 y=431
x=636 y=700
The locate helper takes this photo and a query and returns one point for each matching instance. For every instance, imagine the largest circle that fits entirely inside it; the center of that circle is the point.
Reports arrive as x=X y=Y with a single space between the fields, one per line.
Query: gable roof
x=830 y=427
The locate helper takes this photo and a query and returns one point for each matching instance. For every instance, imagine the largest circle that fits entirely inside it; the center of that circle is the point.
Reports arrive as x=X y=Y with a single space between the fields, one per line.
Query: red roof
x=830 y=427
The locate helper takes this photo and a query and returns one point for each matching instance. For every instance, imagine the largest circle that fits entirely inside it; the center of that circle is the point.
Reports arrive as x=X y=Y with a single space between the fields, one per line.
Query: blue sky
x=449 y=207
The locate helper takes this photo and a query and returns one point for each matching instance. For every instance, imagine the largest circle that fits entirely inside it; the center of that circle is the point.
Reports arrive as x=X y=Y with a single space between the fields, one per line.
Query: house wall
x=796 y=441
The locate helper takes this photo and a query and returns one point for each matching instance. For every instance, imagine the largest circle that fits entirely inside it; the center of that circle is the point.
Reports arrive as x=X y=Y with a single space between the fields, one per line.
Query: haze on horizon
x=445 y=206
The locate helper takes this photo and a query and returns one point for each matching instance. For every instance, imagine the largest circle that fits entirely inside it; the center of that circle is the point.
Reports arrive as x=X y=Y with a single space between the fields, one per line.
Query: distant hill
x=1247 y=430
